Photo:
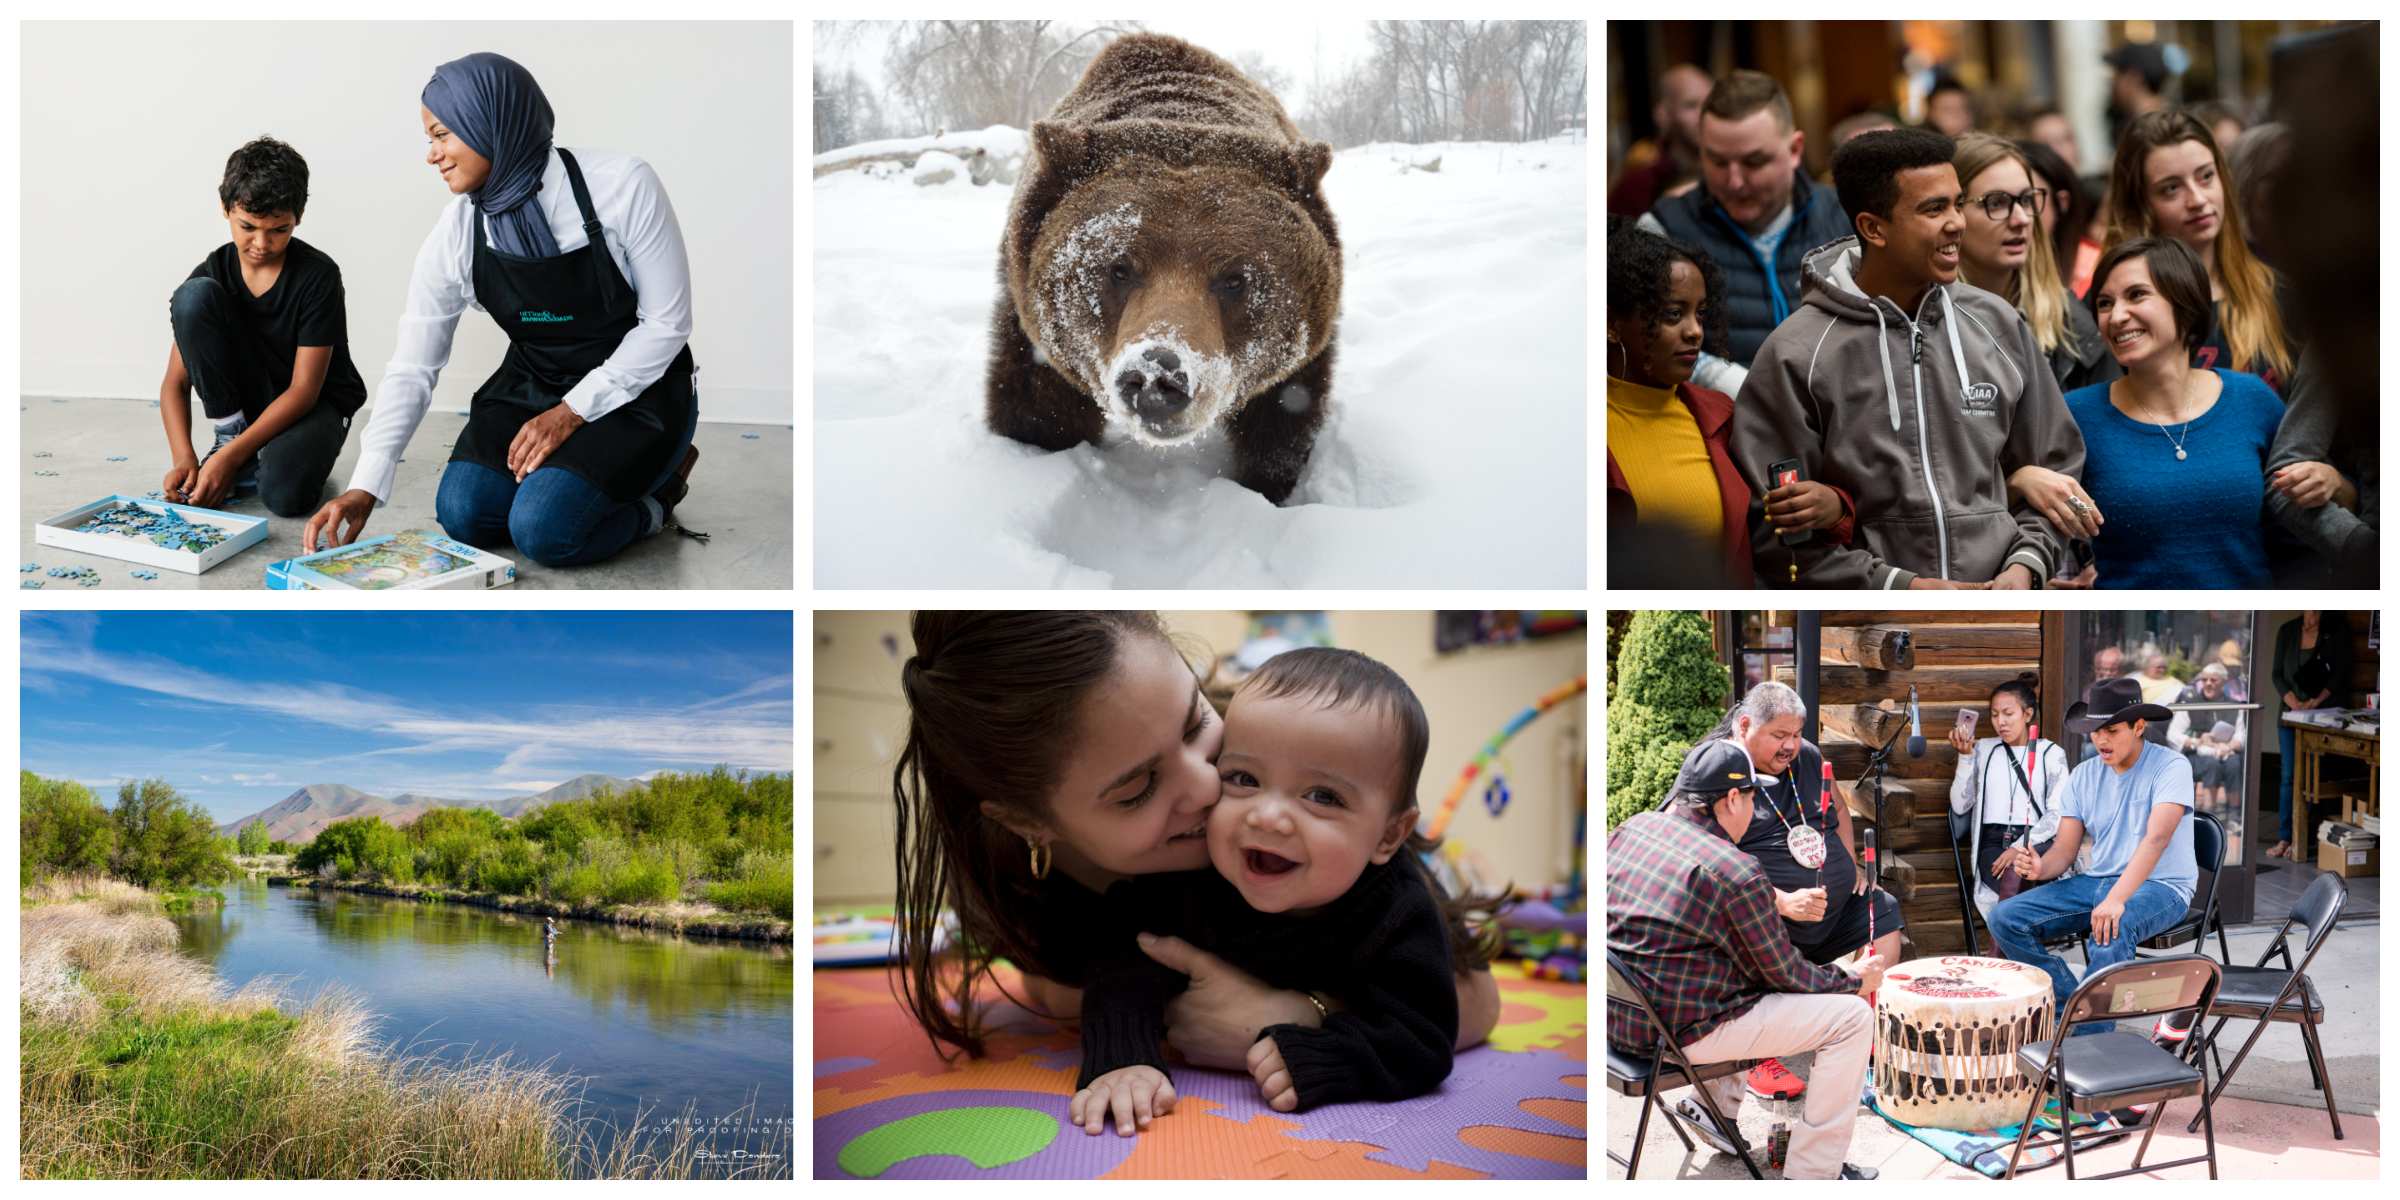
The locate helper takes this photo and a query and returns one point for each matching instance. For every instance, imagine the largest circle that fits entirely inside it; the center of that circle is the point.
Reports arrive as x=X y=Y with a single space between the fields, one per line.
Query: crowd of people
x=1740 y=912
x=1957 y=362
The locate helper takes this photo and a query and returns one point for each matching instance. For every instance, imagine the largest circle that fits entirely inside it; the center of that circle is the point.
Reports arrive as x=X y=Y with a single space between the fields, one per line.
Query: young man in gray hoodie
x=1911 y=393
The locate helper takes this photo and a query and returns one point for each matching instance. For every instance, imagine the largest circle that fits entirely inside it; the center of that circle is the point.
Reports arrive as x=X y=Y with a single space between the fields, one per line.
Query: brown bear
x=1169 y=268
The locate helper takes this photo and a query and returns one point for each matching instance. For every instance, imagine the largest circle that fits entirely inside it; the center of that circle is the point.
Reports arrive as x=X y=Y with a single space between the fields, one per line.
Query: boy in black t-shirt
x=260 y=330
x=1316 y=887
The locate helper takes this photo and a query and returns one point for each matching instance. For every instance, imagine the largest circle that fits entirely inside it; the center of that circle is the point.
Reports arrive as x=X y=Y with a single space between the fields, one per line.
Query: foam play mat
x=887 y=1107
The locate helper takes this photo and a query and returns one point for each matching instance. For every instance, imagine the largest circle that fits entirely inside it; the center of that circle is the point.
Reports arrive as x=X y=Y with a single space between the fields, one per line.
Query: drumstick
x=1873 y=879
x=1825 y=808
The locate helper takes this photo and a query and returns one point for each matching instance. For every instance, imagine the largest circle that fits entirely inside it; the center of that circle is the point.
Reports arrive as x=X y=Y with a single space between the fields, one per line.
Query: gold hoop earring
x=1040 y=853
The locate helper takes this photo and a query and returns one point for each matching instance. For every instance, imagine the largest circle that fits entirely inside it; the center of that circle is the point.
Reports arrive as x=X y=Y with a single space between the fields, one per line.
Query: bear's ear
x=1310 y=161
x=1062 y=146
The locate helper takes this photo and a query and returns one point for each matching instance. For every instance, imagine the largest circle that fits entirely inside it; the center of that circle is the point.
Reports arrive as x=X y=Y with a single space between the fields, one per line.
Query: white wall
x=126 y=126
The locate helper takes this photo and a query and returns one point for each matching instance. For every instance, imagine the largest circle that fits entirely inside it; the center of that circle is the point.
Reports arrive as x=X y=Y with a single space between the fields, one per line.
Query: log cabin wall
x=1954 y=659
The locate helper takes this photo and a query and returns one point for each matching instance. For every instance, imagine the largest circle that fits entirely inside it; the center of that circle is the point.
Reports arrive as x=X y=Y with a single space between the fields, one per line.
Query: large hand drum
x=1947 y=1032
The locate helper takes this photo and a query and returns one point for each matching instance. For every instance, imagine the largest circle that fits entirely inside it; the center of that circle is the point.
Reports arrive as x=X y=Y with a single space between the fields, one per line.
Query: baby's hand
x=1132 y=1093
x=1274 y=1082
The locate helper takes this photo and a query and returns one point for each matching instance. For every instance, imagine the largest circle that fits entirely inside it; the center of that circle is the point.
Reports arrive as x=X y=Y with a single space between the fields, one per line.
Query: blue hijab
x=496 y=108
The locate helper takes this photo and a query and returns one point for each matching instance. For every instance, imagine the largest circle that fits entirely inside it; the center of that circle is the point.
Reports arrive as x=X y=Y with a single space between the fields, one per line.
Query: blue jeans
x=556 y=517
x=2289 y=745
x=2064 y=906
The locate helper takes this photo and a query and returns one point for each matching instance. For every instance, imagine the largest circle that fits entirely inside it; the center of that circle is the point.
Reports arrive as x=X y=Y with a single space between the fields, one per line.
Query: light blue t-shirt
x=2115 y=810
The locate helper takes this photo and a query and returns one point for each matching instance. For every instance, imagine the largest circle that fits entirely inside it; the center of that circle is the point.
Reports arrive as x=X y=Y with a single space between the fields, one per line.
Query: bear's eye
x=1232 y=286
x=1120 y=272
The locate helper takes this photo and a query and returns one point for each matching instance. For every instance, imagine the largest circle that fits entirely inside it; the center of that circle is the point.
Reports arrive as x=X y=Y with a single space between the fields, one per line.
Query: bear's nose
x=1163 y=358
x=1155 y=397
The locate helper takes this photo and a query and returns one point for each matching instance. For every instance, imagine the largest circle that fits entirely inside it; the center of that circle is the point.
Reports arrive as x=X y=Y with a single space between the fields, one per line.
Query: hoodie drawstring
x=1958 y=355
x=1891 y=388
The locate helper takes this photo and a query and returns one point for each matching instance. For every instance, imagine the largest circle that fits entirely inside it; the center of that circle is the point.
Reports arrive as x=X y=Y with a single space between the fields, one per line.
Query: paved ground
x=741 y=495
x=2271 y=1125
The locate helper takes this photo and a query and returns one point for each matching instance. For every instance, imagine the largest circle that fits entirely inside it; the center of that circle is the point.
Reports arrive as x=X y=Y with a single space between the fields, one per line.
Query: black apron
x=564 y=316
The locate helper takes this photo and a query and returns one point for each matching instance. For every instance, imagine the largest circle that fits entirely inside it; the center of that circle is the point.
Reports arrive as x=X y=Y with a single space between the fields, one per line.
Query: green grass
x=134 y=1064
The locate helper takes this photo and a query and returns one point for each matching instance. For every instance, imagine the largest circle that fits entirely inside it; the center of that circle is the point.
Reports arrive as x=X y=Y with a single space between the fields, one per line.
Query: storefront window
x=2201 y=666
x=1763 y=647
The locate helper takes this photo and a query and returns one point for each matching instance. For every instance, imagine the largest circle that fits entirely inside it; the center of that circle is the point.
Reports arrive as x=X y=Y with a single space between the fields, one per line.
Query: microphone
x=1916 y=726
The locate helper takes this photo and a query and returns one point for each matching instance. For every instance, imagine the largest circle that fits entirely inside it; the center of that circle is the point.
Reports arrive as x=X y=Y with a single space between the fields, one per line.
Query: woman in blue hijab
x=580 y=443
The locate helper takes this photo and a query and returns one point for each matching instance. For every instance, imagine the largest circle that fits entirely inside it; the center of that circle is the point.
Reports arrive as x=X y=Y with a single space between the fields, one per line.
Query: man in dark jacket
x=1755 y=212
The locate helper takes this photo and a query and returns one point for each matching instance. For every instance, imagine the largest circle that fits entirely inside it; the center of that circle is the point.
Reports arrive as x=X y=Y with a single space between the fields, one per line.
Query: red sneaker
x=1769 y=1081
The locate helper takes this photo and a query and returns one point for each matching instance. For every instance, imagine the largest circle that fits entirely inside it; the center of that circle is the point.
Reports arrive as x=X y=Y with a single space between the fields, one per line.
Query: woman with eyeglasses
x=2169 y=180
x=2005 y=250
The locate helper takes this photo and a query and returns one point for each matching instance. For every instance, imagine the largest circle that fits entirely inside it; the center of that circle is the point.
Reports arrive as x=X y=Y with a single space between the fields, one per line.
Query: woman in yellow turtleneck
x=1678 y=511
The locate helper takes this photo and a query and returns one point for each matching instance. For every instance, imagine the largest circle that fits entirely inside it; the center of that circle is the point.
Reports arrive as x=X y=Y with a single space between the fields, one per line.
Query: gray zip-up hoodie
x=1918 y=417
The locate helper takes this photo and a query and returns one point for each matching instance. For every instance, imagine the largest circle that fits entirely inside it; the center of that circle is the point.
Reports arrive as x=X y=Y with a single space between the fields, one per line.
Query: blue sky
x=238 y=709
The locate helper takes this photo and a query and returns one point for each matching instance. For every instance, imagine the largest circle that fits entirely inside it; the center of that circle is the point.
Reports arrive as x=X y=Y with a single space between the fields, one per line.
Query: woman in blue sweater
x=2173 y=454
x=2176 y=455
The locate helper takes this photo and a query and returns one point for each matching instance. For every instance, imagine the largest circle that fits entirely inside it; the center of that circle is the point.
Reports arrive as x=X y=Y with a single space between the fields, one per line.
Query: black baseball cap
x=1715 y=767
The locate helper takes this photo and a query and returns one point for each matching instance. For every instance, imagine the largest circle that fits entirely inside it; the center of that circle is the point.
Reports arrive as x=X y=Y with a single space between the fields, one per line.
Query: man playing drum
x=2133 y=799
x=1694 y=920
x=1807 y=848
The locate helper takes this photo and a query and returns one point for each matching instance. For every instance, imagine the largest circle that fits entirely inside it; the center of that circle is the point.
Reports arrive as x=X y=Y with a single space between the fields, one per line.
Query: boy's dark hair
x=1348 y=679
x=265 y=176
x=1745 y=92
x=2177 y=274
x=1639 y=265
x=1866 y=169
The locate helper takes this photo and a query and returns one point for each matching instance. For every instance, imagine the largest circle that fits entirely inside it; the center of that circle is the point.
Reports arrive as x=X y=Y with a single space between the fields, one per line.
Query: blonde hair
x=2253 y=323
x=2034 y=288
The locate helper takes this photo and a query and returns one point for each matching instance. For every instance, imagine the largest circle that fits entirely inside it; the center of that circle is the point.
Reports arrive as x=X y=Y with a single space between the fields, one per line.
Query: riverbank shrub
x=761 y=882
x=673 y=837
x=61 y=829
x=360 y=848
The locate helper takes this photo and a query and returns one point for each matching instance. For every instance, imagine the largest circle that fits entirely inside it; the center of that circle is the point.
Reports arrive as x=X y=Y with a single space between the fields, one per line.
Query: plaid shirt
x=1693 y=919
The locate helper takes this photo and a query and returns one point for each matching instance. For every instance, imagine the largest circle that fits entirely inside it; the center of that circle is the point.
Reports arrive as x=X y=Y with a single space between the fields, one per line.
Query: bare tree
x=1430 y=81
x=969 y=74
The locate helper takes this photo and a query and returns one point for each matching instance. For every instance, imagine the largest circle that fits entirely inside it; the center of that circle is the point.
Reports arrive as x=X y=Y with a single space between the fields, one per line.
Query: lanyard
x=1806 y=844
x=2020 y=776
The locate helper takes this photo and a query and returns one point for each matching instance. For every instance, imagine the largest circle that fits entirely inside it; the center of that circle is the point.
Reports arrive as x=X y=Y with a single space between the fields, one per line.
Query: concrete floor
x=2270 y=1124
x=741 y=495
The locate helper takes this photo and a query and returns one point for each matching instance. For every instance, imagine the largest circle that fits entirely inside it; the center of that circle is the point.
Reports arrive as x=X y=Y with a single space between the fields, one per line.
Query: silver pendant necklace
x=2173 y=439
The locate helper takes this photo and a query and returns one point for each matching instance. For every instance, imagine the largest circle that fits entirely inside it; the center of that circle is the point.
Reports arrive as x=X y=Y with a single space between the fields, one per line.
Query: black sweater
x=1382 y=949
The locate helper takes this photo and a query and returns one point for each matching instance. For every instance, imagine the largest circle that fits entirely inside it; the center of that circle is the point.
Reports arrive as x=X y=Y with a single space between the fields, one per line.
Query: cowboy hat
x=2113 y=700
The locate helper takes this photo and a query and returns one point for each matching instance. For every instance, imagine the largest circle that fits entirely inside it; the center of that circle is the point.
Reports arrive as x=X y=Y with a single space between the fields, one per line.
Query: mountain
x=299 y=816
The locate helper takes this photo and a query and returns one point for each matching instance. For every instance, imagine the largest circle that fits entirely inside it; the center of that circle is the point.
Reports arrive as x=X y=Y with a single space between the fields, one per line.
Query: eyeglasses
x=1998 y=205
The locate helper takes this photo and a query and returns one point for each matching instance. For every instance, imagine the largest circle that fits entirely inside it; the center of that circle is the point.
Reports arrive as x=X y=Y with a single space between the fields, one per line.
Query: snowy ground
x=1454 y=455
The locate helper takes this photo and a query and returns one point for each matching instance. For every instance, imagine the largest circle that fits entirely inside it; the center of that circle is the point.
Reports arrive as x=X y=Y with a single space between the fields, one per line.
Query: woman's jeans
x=556 y=517
x=2289 y=744
x=2062 y=907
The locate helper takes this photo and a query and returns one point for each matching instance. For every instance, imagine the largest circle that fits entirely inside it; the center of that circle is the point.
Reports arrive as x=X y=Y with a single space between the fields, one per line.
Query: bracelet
x=1322 y=1014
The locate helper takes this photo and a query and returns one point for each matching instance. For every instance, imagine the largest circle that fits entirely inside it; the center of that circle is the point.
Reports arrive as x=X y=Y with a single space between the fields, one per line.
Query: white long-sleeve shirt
x=638 y=226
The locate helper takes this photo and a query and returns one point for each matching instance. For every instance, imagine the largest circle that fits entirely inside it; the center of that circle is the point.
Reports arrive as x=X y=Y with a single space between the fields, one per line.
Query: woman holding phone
x=2008 y=782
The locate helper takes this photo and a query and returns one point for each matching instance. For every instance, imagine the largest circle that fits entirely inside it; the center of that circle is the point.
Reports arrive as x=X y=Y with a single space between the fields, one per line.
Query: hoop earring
x=1040 y=854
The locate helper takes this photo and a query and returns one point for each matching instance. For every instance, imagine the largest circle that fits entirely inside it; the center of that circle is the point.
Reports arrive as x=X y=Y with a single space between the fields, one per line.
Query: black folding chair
x=2208 y=852
x=2271 y=996
x=1665 y=1068
x=2118 y=1070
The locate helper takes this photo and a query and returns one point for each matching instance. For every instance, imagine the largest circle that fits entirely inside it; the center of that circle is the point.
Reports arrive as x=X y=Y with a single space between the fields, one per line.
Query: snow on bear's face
x=1174 y=295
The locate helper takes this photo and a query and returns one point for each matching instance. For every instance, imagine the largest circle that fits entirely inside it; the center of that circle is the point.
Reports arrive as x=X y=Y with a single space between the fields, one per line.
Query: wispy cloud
x=748 y=727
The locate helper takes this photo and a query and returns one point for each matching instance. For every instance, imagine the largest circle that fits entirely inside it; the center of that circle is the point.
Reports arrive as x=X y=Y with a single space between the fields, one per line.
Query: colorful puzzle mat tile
x=887 y=1107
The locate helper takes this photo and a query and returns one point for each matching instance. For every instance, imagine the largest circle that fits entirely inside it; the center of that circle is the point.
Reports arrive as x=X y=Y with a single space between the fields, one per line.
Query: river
x=651 y=1022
